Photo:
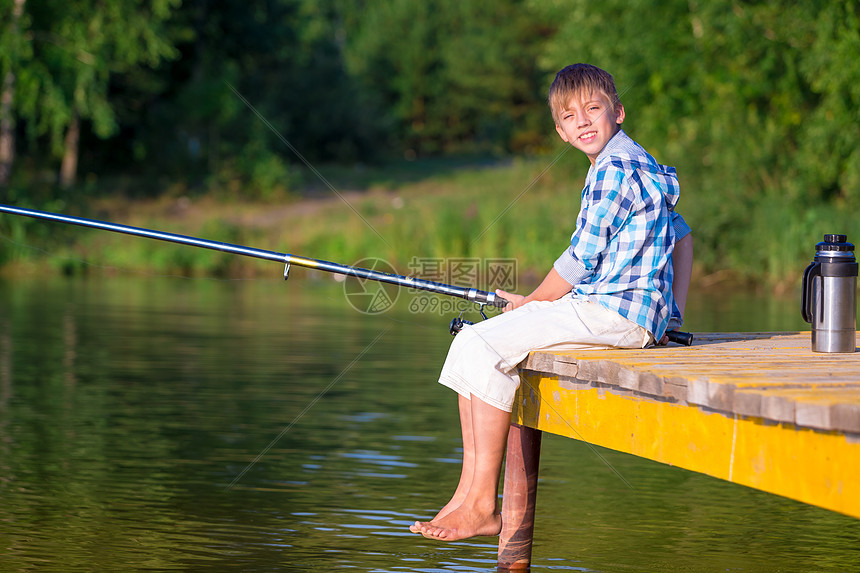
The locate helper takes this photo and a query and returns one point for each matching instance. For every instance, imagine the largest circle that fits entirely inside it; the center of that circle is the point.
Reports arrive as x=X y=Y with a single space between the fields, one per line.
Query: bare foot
x=453 y=504
x=449 y=507
x=460 y=523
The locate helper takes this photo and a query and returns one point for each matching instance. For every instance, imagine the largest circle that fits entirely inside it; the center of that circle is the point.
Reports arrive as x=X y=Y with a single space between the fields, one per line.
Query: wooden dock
x=758 y=409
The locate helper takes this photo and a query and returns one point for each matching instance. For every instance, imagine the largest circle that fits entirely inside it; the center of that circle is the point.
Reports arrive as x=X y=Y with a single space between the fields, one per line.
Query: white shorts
x=483 y=358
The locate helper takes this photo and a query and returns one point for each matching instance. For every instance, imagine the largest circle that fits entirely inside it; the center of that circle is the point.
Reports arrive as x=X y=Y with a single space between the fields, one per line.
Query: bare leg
x=468 y=468
x=478 y=514
x=682 y=261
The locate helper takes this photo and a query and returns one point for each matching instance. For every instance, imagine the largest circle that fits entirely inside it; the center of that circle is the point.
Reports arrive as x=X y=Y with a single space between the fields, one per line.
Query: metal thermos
x=828 y=298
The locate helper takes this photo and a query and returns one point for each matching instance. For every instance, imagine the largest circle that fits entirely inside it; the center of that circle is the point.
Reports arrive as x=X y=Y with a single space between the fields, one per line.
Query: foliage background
x=756 y=103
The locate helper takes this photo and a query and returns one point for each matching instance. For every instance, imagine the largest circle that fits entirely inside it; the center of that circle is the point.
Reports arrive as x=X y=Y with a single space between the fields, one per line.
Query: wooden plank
x=812 y=466
x=714 y=372
x=745 y=396
x=759 y=409
x=824 y=408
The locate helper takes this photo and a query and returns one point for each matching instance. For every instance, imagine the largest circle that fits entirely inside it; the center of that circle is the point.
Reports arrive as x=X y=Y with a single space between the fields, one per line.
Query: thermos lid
x=835 y=243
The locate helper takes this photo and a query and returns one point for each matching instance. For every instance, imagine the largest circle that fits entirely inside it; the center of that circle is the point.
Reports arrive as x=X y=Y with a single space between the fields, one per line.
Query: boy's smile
x=588 y=122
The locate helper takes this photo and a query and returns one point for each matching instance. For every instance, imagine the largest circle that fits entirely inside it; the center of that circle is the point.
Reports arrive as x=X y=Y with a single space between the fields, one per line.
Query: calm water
x=181 y=425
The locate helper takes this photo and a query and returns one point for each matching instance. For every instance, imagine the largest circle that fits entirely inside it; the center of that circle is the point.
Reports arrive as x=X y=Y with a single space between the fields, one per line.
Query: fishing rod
x=470 y=294
x=480 y=297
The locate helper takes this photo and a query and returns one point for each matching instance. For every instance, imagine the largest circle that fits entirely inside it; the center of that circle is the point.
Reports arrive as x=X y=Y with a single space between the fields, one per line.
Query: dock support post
x=519 y=495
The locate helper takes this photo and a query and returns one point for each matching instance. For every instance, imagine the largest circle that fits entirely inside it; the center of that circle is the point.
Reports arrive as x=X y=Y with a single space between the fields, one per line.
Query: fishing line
x=541 y=174
x=557 y=413
x=308 y=407
x=297 y=418
x=305 y=161
x=578 y=435
x=483 y=298
x=523 y=192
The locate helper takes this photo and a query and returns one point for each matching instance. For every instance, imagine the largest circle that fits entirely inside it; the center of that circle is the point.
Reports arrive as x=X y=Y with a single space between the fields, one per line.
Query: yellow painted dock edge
x=815 y=467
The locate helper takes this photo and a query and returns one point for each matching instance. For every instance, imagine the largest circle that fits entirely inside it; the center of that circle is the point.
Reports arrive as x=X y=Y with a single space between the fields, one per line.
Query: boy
x=611 y=288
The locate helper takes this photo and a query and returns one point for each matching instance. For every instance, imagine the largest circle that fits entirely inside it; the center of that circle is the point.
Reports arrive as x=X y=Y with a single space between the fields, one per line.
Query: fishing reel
x=459 y=322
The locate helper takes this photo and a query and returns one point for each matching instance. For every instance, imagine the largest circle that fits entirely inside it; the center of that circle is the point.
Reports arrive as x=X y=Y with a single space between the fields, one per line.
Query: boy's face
x=588 y=122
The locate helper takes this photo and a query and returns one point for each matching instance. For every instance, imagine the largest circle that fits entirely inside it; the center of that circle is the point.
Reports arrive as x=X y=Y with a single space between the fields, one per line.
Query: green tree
x=757 y=103
x=76 y=48
x=284 y=58
x=452 y=73
x=13 y=49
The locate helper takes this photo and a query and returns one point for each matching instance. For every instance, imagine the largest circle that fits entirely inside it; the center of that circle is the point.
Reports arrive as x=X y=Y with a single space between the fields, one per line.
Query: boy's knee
x=469 y=342
x=462 y=338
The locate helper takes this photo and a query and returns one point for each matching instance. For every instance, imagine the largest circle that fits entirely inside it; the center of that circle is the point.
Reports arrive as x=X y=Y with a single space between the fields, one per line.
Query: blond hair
x=579 y=79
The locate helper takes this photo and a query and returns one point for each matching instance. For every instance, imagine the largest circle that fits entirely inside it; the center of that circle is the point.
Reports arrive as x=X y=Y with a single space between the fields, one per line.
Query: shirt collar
x=618 y=142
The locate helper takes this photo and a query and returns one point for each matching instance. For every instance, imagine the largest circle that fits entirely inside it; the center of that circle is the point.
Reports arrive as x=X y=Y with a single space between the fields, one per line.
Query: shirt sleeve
x=570 y=269
x=682 y=229
x=606 y=205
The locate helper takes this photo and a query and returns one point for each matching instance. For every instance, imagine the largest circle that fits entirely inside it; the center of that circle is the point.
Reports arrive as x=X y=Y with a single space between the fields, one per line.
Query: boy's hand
x=514 y=300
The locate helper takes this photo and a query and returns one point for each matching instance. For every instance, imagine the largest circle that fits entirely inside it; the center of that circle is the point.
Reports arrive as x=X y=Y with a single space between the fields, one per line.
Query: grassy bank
x=522 y=209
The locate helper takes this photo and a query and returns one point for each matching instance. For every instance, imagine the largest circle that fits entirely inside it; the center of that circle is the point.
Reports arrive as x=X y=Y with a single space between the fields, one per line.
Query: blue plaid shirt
x=620 y=253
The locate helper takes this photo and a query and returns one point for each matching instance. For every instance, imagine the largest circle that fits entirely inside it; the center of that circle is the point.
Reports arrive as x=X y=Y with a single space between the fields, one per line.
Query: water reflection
x=129 y=407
